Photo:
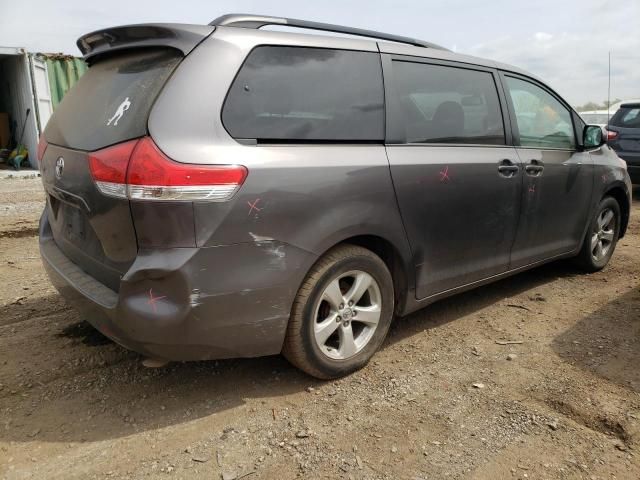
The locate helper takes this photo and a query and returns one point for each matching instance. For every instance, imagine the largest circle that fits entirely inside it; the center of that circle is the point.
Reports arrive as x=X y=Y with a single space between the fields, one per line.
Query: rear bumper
x=189 y=303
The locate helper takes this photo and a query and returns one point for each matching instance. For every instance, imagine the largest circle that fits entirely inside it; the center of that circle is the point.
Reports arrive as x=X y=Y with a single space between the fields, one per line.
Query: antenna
x=609 y=92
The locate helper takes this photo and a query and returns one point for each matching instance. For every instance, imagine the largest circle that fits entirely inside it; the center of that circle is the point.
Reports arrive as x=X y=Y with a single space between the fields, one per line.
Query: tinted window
x=542 y=120
x=306 y=94
x=447 y=104
x=627 y=117
x=111 y=102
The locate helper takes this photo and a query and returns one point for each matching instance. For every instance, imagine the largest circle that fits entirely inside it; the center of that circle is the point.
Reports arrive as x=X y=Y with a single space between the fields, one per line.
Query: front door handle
x=507 y=168
x=535 y=168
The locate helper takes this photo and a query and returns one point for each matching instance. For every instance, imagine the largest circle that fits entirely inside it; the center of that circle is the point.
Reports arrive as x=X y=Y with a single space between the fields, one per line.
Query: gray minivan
x=228 y=191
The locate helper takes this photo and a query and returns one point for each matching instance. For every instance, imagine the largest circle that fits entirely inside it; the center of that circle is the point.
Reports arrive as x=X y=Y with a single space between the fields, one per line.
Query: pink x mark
x=152 y=300
x=253 y=206
x=444 y=174
x=532 y=189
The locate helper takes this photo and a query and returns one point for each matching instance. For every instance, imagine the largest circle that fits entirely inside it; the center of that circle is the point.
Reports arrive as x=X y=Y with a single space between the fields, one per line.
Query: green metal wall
x=64 y=71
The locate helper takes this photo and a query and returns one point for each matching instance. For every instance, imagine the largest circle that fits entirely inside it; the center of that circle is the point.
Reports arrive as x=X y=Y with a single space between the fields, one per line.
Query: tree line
x=595 y=106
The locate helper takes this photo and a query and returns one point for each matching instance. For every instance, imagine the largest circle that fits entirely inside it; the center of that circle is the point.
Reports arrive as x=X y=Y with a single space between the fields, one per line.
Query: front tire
x=341 y=314
x=602 y=236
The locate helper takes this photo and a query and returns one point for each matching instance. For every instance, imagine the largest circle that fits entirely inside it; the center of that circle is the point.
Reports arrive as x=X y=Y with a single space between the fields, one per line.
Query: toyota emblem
x=59 y=167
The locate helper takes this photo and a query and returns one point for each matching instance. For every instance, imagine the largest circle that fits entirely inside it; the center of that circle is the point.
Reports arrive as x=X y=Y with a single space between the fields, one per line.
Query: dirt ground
x=444 y=398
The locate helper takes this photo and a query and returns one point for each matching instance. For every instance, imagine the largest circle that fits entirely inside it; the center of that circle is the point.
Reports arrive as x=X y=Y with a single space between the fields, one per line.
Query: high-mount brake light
x=138 y=170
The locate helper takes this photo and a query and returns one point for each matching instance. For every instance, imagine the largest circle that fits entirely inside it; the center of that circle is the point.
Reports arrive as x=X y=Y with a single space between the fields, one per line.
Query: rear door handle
x=507 y=168
x=535 y=168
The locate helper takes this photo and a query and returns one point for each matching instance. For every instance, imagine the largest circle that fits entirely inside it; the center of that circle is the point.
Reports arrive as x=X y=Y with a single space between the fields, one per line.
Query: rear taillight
x=109 y=168
x=42 y=146
x=139 y=170
x=611 y=135
x=154 y=176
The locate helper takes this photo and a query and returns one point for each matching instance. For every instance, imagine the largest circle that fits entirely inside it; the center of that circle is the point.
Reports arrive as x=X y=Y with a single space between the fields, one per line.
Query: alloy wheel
x=602 y=237
x=347 y=314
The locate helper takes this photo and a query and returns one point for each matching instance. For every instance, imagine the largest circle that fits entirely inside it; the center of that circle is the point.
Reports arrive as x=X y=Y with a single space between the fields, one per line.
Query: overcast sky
x=566 y=42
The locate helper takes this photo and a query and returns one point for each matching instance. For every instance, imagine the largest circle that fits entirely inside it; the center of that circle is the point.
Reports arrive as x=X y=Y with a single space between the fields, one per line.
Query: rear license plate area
x=74 y=224
x=54 y=205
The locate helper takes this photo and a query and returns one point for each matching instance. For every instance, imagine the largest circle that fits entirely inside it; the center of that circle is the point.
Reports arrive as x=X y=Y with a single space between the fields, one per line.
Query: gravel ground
x=447 y=397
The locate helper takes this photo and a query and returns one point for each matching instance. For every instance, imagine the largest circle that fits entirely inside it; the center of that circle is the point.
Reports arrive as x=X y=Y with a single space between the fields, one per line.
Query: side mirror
x=592 y=136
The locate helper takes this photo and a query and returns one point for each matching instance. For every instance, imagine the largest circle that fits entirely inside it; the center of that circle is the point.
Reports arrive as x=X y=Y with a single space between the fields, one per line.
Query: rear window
x=111 y=102
x=627 y=117
x=306 y=94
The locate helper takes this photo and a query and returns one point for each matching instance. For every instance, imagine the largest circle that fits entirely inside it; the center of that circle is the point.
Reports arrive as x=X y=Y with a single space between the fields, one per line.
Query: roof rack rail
x=258 y=21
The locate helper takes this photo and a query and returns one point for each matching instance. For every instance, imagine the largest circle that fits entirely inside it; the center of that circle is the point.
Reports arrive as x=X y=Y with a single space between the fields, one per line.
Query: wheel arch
x=620 y=195
x=392 y=257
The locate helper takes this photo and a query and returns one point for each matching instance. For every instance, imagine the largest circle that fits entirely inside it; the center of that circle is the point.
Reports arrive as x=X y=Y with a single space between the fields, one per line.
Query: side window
x=307 y=94
x=442 y=104
x=542 y=120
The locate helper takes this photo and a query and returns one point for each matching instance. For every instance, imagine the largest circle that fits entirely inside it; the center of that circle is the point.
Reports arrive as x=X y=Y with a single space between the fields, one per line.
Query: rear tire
x=341 y=314
x=601 y=238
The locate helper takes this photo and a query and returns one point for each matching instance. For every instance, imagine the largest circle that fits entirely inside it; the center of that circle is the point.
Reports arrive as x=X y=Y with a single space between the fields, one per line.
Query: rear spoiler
x=181 y=37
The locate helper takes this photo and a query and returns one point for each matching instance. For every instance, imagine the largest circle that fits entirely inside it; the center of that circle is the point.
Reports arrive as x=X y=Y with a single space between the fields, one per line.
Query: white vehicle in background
x=596 y=117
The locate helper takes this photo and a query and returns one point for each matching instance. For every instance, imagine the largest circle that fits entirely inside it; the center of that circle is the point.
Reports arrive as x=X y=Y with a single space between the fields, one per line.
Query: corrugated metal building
x=31 y=85
x=20 y=77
